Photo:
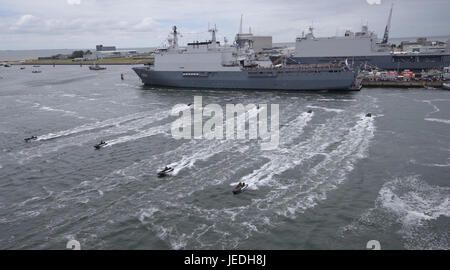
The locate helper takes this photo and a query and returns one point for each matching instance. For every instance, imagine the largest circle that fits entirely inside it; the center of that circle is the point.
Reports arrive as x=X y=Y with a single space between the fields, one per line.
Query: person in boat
x=31 y=138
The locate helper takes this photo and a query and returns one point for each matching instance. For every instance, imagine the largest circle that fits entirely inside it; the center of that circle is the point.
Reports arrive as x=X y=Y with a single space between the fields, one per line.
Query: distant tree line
x=80 y=54
x=75 y=54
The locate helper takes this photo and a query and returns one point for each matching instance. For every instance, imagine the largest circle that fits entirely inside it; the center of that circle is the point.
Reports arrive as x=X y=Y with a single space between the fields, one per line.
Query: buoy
x=121 y=76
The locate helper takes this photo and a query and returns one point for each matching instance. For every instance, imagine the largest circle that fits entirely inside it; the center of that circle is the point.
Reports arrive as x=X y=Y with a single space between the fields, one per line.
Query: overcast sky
x=57 y=24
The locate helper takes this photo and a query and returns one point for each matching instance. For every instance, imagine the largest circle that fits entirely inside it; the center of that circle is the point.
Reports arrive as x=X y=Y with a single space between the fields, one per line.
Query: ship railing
x=313 y=67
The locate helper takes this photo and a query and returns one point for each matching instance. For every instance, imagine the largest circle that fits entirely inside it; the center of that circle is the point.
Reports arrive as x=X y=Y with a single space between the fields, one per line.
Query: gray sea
x=337 y=179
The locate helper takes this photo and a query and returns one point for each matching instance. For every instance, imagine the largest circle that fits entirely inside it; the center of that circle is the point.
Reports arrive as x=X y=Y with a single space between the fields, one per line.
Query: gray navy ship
x=212 y=65
x=364 y=49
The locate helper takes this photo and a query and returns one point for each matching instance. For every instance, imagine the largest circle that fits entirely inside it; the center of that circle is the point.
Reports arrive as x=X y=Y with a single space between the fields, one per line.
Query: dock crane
x=388 y=27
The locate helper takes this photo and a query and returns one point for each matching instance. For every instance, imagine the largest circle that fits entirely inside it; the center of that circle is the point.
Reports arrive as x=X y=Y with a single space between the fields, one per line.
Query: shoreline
x=106 y=61
x=76 y=64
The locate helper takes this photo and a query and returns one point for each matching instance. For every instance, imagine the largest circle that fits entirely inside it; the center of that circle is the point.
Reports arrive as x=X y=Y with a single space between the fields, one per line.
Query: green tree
x=77 y=54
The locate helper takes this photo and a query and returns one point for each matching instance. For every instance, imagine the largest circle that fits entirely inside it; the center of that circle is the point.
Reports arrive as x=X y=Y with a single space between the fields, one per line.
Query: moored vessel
x=364 y=50
x=212 y=65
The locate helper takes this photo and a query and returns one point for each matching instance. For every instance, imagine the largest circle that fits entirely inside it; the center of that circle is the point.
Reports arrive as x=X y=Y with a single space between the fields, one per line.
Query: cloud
x=27 y=20
x=54 y=26
x=374 y=2
x=146 y=23
x=74 y=2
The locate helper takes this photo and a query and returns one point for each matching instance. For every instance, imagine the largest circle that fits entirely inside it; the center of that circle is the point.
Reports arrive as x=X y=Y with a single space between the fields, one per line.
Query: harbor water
x=337 y=179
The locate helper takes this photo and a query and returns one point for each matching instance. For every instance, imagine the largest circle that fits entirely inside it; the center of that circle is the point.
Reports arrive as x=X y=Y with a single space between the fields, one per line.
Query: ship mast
x=388 y=27
x=175 y=37
x=240 y=27
x=213 y=38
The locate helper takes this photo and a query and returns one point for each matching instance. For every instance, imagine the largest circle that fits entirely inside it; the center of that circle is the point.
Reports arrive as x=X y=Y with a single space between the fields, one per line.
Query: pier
x=402 y=84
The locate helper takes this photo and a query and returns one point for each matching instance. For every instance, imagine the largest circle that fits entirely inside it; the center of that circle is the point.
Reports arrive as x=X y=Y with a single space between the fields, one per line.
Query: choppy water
x=337 y=180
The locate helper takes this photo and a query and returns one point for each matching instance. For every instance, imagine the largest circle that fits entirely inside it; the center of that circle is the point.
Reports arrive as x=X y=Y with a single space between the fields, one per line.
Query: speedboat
x=36 y=71
x=239 y=188
x=100 y=145
x=165 y=172
x=31 y=138
x=446 y=86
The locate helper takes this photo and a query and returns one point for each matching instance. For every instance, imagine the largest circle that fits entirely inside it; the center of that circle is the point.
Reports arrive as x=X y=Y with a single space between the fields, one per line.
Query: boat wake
x=327 y=157
x=89 y=133
x=102 y=124
x=164 y=129
x=445 y=121
x=326 y=109
x=415 y=206
x=315 y=156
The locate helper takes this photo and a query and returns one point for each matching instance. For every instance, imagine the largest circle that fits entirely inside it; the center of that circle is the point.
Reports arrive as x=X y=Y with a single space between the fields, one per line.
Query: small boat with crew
x=165 y=172
x=32 y=138
x=100 y=145
x=240 y=188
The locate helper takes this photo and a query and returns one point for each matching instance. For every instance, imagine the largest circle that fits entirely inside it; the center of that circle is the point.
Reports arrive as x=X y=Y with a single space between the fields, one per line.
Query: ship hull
x=386 y=62
x=257 y=80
